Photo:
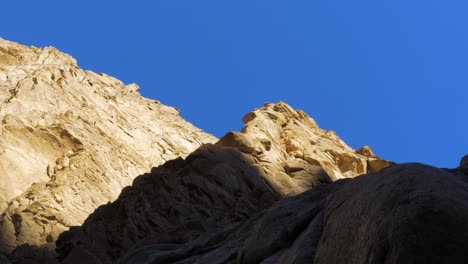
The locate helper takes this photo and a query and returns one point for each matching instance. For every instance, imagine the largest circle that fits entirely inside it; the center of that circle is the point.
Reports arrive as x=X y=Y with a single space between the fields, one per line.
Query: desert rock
x=71 y=140
x=289 y=146
x=408 y=213
x=213 y=188
x=280 y=152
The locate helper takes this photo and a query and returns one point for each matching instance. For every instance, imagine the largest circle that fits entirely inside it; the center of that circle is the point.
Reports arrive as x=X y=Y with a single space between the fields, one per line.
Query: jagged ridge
x=71 y=140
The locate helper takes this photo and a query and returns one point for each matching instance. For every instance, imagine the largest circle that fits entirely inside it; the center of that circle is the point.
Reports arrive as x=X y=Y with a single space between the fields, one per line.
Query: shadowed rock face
x=409 y=213
x=4 y=260
x=464 y=165
x=214 y=188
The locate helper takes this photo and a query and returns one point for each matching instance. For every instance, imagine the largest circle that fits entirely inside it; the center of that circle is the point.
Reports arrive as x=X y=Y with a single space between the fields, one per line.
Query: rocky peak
x=13 y=55
x=71 y=139
x=289 y=146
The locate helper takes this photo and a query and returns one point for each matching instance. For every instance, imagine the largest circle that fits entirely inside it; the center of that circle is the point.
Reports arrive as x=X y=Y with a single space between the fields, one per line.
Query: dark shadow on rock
x=408 y=213
x=263 y=237
x=27 y=254
x=215 y=188
x=4 y=259
x=215 y=207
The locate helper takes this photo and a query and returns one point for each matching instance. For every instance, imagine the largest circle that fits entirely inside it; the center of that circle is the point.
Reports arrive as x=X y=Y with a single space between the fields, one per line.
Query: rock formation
x=70 y=141
x=215 y=187
x=282 y=190
x=279 y=153
x=289 y=146
x=409 y=213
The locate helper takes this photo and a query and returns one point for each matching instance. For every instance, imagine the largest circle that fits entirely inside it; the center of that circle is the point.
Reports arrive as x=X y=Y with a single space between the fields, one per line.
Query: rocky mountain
x=71 y=140
x=280 y=152
x=94 y=173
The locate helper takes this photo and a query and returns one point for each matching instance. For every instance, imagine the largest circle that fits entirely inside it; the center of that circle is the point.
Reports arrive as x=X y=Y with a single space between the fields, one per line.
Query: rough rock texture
x=289 y=146
x=70 y=140
x=213 y=188
x=280 y=152
x=264 y=237
x=409 y=213
x=406 y=214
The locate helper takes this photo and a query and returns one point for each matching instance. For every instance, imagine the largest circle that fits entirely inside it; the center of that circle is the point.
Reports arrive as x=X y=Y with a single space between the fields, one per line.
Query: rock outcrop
x=279 y=153
x=214 y=188
x=289 y=146
x=70 y=141
x=409 y=213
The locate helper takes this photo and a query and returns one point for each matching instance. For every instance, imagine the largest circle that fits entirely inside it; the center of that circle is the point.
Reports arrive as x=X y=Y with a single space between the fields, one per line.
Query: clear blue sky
x=389 y=74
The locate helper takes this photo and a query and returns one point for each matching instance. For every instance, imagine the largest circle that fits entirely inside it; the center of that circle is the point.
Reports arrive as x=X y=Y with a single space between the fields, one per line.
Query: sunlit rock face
x=71 y=140
x=289 y=146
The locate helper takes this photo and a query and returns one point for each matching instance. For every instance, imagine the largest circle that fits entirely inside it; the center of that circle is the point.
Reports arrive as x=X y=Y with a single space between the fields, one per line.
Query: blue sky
x=389 y=74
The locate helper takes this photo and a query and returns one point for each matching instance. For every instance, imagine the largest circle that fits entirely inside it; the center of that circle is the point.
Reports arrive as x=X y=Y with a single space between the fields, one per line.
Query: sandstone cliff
x=70 y=140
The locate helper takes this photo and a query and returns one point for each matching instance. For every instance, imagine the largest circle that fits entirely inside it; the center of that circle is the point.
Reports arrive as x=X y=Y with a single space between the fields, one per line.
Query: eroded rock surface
x=409 y=213
x=289 y=146
x=215 y=187
x=70 y=140
x=283 y=153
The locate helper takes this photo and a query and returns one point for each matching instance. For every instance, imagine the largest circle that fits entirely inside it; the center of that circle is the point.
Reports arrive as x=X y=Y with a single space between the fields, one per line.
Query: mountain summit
x=71 y=140
x=92 y=172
